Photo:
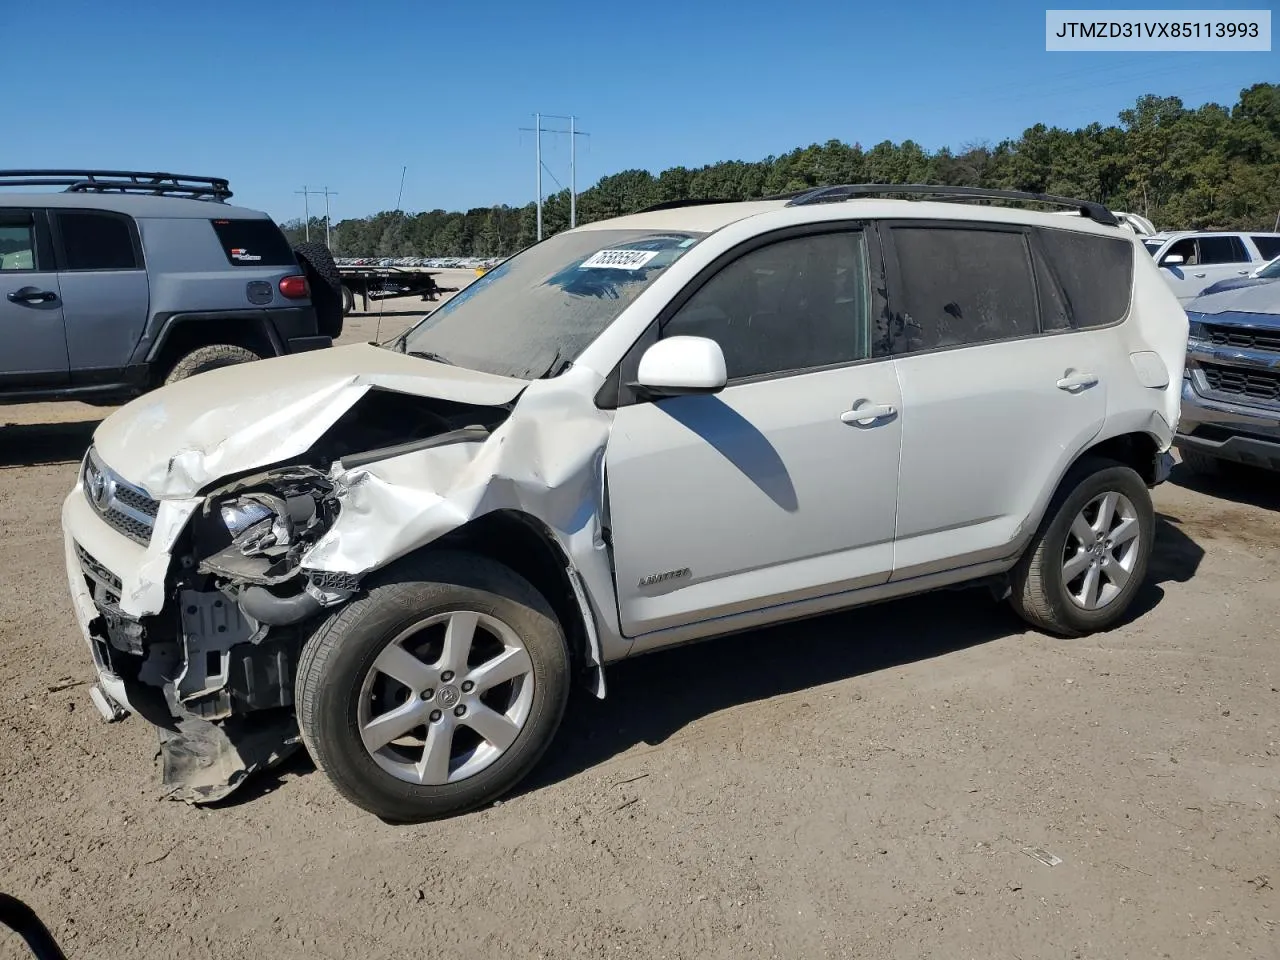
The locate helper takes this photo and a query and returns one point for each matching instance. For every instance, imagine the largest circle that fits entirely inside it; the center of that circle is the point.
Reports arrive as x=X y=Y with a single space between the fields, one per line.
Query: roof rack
x=1087 y=208
x=122 y=181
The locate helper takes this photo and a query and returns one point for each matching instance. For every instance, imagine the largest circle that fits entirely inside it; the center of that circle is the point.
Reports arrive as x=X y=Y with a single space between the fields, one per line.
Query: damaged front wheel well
x=522 y=543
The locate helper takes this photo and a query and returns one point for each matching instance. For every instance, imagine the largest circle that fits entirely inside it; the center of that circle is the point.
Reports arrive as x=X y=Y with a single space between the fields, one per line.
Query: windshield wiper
x=428 y=355
x=556 y=367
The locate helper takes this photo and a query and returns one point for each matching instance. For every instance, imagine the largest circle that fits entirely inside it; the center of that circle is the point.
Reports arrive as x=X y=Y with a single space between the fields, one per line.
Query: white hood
x=178 y=439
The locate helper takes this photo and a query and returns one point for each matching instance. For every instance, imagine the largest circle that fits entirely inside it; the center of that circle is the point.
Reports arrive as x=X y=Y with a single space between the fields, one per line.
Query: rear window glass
x=1269 y=247
x=254 y=243
x=964 y=285
x=97 y=241
x=1095 y=272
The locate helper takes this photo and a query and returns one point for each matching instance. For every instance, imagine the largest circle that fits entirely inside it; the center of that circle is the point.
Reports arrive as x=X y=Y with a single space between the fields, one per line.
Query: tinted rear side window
x=1095 y=273
x=1269 y=247
x=254 y=243
x=963 y=286
x=1222 y=250
x=97 y=241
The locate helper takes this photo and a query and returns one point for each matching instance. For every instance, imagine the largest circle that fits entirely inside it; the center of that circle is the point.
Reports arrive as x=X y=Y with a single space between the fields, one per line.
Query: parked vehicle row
x=463 y=263
x=1194 y=261
x=637 y=433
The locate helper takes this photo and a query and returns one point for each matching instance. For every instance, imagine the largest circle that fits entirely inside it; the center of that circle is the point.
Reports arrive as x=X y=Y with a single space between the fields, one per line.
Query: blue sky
x=277 y=93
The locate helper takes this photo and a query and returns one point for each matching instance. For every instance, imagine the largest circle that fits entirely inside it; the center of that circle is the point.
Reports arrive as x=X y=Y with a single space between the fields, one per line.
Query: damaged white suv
x=674 y=425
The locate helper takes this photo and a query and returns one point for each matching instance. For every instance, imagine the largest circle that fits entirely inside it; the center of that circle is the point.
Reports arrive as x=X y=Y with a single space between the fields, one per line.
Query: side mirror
x=681 y=365
x=1173 y=260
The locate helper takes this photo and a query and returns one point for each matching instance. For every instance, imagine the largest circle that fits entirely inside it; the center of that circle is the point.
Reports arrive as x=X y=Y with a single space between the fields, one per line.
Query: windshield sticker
x=618 y=260
x=689 y=243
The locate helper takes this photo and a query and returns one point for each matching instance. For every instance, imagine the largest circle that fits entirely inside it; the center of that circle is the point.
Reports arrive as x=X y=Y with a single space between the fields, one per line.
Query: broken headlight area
x=251 y=536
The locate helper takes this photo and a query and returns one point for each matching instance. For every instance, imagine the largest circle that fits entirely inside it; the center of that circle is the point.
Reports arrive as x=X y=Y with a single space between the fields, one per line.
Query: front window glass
x=532 y=315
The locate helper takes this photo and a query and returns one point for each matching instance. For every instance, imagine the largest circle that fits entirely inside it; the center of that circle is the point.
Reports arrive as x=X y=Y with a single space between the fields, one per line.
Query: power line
x=573 y=133
x=307 y=194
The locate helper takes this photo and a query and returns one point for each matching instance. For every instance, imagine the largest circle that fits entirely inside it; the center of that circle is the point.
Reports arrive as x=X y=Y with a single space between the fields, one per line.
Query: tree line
x=1212 y=167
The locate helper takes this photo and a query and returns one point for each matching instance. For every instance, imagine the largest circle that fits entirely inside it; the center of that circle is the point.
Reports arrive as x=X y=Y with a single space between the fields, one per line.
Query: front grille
x=138 y=500
x=1239 y=382
x=1243 y=337
x=126 y=508
x=98 y=576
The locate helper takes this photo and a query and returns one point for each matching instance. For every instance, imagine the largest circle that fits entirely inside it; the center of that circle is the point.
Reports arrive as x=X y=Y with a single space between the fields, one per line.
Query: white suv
x=695 y=420
x=1193 y=262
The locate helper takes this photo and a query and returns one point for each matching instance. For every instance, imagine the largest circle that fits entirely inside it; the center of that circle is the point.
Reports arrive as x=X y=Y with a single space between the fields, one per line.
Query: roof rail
x=1086 y=208
x=687 y=202
x=122 y=181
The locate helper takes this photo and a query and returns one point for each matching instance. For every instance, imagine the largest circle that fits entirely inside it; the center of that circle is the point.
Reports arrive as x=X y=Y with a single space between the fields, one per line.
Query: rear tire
x=348 y=301
x=326 y=286
x=1089 y=556
x=396 y=722
x=209 y=358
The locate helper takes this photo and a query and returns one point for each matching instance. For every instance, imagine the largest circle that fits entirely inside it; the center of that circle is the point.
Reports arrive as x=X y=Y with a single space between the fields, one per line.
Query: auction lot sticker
x=618 y=260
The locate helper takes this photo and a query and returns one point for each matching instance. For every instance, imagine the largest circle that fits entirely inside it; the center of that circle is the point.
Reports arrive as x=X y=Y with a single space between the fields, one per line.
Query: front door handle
x=1199 y=275
x=1077 y=381
x=1243 y=273
x=868 y=413
x=32 y=295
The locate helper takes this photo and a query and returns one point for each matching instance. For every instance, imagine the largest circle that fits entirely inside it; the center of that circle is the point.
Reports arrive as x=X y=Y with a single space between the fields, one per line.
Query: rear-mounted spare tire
x=326 y=286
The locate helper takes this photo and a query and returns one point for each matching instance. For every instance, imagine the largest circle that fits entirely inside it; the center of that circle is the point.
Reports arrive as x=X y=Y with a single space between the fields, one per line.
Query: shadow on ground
x=654 y=696
x=33 y=444
x=1236 y=483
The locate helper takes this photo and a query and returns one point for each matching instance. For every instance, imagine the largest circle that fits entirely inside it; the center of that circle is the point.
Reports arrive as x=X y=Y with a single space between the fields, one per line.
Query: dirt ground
x=863 y=785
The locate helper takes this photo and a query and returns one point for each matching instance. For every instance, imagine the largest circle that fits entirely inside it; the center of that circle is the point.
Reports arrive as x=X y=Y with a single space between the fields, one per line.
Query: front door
x=33 y=345
x=782 y=487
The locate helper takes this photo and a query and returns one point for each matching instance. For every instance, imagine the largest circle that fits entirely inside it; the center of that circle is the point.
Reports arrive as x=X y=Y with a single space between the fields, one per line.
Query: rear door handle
x=1243 y=273
x=1077 y=381
x=32 y=295
x=868 y=413
x=1198 y=274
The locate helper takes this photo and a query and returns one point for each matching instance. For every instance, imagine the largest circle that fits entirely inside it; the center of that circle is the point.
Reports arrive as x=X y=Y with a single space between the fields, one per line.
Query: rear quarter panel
x=190 y=273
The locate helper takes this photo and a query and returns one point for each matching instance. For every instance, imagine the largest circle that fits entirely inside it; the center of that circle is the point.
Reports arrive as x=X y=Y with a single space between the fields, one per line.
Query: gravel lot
x=860 y=785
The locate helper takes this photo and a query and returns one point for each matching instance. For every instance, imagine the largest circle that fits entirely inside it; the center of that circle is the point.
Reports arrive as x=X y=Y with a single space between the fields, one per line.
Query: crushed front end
x=193 y=612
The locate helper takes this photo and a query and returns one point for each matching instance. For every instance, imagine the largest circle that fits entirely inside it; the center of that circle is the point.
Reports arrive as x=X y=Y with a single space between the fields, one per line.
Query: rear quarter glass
x=253 y=243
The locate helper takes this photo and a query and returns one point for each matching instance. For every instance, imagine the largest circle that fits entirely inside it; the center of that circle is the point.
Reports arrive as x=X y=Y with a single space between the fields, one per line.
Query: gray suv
x=122 y=281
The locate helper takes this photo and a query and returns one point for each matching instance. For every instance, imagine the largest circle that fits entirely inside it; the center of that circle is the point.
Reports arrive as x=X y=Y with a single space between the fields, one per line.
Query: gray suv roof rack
x=122 y=181
x=1087 y=208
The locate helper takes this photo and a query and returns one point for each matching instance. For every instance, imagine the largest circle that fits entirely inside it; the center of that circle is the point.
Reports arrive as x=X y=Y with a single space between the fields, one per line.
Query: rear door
x=999 y=389
x=1221 y=258
x=33 y=345
x=104 y=289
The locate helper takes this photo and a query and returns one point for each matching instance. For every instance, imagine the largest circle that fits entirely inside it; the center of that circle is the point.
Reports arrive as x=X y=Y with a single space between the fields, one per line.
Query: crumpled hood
x=178 y=439
x=1261 y=297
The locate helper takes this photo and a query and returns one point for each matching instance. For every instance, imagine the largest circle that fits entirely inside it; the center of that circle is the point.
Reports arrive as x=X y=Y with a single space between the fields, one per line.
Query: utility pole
x=326 y=193
x=574 y=133
x=306 y=207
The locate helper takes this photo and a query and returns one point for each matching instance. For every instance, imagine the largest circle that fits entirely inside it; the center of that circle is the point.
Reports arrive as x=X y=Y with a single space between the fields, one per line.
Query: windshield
x=1153 y=246
x=532 y=315
x=1271 y=270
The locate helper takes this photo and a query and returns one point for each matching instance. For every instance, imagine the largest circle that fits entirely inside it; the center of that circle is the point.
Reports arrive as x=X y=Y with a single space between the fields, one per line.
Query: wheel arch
x=183 y=333
x=526 y=545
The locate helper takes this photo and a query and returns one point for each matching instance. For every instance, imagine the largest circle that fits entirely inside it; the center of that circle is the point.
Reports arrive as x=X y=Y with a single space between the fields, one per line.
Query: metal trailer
x=386 y=283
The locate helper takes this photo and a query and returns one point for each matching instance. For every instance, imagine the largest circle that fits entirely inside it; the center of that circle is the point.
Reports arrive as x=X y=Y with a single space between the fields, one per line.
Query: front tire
x=436 y=691
x=1089 y=557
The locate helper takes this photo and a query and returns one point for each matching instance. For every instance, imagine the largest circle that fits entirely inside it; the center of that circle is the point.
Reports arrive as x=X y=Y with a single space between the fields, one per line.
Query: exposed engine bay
x=214 y=669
